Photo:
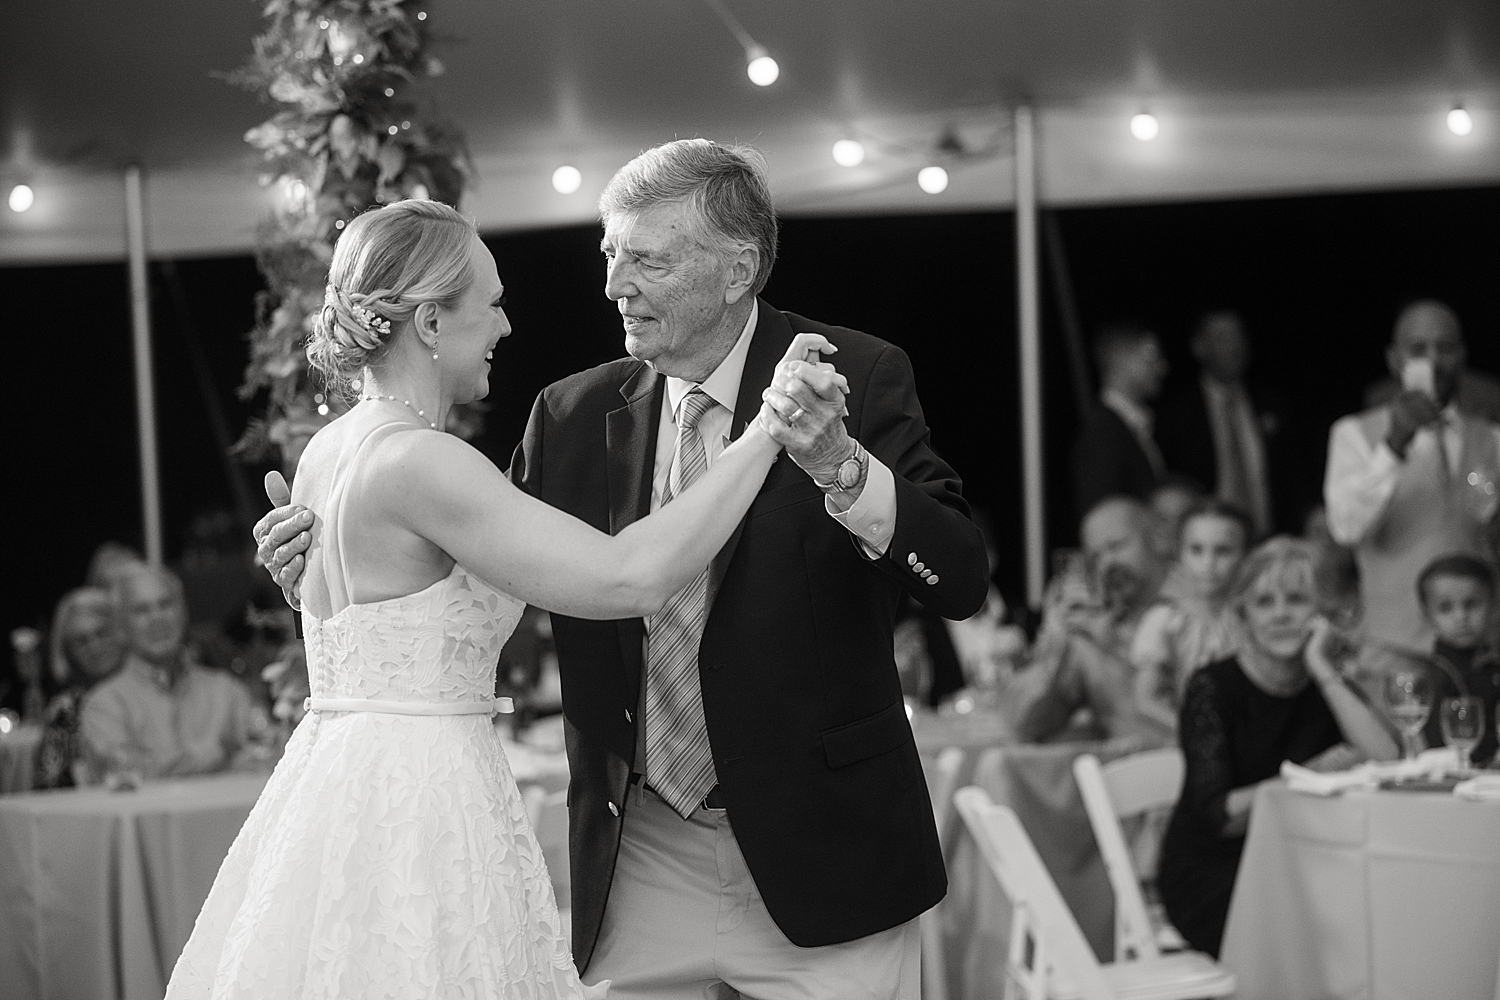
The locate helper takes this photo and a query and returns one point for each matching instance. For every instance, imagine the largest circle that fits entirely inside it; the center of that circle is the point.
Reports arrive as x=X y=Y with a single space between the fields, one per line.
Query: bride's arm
x=449 y=493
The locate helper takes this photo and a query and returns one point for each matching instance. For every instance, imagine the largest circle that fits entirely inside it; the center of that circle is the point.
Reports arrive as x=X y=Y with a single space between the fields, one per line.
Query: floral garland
x=348 y=137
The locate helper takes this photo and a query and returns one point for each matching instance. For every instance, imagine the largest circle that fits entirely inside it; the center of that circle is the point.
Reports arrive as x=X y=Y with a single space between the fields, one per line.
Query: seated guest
x=1457 y=594
x=1195 y=626
x=86 y=648
x=1081 y=659
x=161 y=714
x=1115 y=453
x=1173 y=497
x=1280 y=698
x=1410 y=480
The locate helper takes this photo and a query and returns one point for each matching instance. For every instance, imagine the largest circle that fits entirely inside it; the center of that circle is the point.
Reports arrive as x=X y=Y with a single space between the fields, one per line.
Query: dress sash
x=492 y=706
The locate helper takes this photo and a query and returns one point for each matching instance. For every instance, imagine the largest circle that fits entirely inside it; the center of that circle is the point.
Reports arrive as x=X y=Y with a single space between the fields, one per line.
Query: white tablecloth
x=1366 y=896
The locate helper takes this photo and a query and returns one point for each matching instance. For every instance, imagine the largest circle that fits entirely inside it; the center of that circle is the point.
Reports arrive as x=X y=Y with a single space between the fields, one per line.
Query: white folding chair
x=548 y=814
x=934 y=968
x=1131 y=786
x=1049 y=958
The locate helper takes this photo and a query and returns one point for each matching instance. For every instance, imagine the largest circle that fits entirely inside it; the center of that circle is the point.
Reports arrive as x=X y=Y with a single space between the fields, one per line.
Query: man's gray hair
x=124 y=583
x=725 y=186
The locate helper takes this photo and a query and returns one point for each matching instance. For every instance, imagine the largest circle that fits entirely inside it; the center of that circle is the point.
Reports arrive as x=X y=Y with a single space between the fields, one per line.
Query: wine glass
x=1408 y=699
x=1462 y=720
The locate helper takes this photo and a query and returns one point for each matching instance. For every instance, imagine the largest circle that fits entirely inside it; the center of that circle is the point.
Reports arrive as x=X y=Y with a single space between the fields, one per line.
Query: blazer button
x=614 y=810
x=918 y=567
x=932 y=579
x=911 y=559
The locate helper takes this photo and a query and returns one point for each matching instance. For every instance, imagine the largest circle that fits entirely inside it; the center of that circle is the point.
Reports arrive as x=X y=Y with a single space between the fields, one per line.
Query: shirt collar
x=1133 y=413
x=156 y=676
x=723 y=386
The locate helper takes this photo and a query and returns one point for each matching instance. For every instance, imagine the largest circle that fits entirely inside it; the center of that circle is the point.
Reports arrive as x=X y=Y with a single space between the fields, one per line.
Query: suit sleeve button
x=932 y=579
x=919 y=567
x=614 y=810
x=911 y=559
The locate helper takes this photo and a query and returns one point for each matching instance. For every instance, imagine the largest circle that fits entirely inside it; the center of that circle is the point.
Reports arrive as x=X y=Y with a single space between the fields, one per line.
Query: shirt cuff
x=872 y=516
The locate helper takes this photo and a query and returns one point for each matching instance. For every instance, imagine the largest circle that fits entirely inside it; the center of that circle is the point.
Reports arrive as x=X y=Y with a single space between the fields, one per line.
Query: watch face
x=849 y=473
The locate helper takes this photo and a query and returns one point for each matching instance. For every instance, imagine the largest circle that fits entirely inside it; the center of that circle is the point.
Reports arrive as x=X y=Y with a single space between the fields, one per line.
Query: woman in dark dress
x=1281 y=698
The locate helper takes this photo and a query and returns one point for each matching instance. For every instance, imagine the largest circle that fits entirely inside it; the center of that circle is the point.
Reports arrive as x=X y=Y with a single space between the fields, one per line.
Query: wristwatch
x=851 y=471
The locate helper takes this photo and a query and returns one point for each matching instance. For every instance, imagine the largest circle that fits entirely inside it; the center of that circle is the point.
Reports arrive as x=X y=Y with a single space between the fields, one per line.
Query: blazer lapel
x=630 y=455
x=630 y=443
x=772 y=335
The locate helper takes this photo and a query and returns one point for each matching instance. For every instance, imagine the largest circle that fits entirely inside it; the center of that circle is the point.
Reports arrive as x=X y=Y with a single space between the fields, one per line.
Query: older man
x=747 y=809
x=1413 y=479
x=161 y=715
x=1081 y=658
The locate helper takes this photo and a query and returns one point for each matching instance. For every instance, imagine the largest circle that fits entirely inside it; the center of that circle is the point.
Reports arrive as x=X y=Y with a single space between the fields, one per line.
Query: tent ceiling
x=1255 y=97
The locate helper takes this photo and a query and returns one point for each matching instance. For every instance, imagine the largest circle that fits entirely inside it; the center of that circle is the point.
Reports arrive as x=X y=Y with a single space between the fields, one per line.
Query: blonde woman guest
x=390 y=853
x=1279 y=698
x=86 y=647
x=1195 y=626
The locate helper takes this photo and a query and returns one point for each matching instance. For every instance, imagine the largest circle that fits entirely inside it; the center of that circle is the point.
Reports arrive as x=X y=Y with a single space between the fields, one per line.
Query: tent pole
x=145 y=389
x=1029 y=303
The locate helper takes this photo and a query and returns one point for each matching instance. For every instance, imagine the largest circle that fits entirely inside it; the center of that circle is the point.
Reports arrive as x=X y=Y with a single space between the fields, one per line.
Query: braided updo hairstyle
x=387 y=262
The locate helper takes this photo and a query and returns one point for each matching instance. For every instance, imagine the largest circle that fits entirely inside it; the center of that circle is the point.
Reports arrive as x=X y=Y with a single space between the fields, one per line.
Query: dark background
x=1318 y=279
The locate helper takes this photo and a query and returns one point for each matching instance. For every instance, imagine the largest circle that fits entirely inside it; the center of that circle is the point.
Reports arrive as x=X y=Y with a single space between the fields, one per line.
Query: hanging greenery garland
x=349 y=136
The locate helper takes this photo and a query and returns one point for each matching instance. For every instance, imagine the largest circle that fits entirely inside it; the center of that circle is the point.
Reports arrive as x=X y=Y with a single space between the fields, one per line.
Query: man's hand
x=281 y=538
x=808 y=397
x=1410 y=412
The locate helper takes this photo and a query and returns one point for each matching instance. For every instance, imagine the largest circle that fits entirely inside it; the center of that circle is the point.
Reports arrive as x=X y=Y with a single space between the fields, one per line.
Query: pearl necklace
x=404 y=402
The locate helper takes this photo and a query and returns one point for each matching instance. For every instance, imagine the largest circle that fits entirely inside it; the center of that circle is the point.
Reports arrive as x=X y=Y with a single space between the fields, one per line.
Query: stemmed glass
x=1408 y=699
x=1462 y=720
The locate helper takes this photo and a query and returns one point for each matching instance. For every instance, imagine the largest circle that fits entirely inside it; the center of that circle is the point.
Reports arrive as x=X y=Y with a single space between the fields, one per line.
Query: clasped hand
x=803 y=408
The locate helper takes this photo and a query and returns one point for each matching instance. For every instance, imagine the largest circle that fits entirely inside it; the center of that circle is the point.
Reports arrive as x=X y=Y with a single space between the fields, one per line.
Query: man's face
x=154 y=618
x=1141 y=368
x=1426 y=331
x=1117 y=545
x=674 y=295
x=1459 y=608
x=1223 y=349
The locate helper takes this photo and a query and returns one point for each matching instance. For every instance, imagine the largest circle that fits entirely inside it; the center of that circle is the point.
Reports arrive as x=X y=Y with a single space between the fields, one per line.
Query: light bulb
x=1144 y=126
x=1459 y=122
x=933 y=180
x=21 y=198
x=762 y=68
x=848 y=153
x=566 y=179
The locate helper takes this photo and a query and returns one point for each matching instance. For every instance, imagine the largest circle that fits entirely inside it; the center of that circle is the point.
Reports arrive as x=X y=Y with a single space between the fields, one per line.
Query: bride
x=389 y=855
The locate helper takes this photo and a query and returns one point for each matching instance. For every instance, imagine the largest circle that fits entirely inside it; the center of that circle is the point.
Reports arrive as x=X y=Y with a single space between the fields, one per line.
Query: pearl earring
x=434 y=348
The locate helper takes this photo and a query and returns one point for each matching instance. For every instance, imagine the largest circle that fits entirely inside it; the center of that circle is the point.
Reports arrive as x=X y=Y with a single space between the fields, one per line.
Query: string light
x=848 y=153
x=393 y=129
x=566 y=179
x=390 y=92
x=21 y=198
x=933 y=180
x=1459 y=122
x=762 y=69
x=1144 y=126
x=421 y=15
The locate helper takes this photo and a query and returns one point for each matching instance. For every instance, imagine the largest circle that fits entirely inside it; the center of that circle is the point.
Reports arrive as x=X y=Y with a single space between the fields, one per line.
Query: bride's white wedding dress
x=390 y=854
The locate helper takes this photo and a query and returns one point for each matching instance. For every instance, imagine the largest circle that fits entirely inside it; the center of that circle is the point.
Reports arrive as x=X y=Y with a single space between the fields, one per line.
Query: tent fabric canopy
x=1264 y=97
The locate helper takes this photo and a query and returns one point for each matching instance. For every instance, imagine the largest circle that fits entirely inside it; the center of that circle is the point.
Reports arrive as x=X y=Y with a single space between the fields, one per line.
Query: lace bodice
x=439 y=644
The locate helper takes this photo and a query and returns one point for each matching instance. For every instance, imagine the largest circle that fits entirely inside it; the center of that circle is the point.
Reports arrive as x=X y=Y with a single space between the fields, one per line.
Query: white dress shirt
x=1361 y=477
x=871 y=518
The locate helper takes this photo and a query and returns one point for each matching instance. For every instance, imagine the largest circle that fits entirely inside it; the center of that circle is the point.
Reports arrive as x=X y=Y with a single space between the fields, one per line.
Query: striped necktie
x=678 y=758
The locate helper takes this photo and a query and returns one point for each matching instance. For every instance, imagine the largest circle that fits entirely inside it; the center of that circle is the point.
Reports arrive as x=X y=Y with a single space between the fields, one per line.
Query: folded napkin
x=1301 y=779
x=1428 y=764
x=1481 y=788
